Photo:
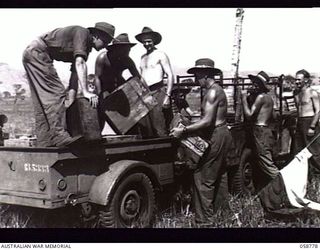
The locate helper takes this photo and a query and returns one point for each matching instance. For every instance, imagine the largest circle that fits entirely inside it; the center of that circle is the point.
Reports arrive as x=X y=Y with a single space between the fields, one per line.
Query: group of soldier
x=74 y=43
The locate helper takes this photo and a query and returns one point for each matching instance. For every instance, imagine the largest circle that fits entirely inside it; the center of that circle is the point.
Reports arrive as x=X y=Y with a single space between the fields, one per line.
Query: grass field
x=246 y=212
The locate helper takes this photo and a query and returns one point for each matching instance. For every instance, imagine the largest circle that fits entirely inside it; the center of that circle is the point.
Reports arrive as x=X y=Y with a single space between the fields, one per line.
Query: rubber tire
x=239 y=183
x=109 y=216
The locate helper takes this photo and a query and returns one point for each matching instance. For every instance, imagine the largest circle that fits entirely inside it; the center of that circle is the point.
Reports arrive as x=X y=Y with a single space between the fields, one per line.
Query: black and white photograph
x=160 y=118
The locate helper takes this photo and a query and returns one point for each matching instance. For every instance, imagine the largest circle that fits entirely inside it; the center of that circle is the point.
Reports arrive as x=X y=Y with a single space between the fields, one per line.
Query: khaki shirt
x=64 y=44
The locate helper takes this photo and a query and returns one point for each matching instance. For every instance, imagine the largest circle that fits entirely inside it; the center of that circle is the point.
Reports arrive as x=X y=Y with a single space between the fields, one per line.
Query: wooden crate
x=127 y=105
x=82 y=119
x=193 y=147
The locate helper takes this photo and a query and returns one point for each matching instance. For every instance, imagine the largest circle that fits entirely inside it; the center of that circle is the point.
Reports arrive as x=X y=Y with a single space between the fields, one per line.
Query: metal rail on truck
x=276 y=84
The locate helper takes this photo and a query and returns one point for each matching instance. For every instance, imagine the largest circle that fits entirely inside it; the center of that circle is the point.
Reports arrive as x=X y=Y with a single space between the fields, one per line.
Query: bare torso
x=304 y=103
x=220 y=116
x=109 y=70
x=264 y=115
x=151 y=68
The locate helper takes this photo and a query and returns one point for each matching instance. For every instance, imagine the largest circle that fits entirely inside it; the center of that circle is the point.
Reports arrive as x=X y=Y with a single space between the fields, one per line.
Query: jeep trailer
x=119 y=174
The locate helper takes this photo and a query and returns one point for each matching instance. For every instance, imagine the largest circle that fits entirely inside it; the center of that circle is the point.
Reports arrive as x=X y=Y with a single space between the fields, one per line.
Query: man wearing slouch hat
x=109 y=68
x=154 y=66
x=70 y=44
x=210 y=178
x=260 y=114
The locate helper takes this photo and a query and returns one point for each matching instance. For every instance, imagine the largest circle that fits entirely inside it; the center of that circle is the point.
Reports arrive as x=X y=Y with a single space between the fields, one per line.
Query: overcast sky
x=274 y=40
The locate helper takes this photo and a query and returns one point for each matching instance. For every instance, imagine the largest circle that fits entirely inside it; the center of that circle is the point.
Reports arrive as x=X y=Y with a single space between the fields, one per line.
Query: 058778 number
x=311 y=245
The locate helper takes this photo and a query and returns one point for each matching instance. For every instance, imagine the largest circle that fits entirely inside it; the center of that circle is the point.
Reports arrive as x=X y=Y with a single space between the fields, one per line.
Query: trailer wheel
x=132 y=204
x=242 y=182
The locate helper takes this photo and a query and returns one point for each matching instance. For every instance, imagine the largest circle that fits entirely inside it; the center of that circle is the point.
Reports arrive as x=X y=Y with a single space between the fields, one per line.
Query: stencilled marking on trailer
x=32 y=167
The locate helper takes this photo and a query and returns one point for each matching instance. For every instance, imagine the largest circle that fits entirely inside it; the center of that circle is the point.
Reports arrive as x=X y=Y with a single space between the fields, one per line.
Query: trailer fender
x=104 y=185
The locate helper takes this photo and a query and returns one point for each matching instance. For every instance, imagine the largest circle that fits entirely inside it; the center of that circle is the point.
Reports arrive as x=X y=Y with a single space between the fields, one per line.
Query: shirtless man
x=154 y=66
x=210 y=178
x=111 y=64
x=261 y=114
x=109 y=68
x=308 y=106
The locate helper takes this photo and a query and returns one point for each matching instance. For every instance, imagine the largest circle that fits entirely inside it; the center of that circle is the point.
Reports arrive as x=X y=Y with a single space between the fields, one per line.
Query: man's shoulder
x=312 y=91
x=160 y=53
x=101 y=56
x=144 y=56
x=155 y=54
x=127 y=59
x=216 y=91
x=264 y=97
x=75 y=28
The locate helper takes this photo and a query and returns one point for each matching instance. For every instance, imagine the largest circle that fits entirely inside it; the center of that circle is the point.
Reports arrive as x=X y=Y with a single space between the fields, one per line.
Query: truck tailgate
x=43 y=177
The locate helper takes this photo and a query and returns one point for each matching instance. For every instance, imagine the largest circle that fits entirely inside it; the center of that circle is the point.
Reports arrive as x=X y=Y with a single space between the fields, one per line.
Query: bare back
x=151 y=67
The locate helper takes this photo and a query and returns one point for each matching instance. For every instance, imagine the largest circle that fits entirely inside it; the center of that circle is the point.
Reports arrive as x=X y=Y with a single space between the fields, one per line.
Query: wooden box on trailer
x=82 y=119
x=128 y=104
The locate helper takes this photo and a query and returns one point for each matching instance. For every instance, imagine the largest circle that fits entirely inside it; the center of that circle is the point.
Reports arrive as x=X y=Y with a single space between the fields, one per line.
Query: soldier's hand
x=68 y=103
x=176 y=132
x=311 y=132
x=244 y=93
x=93 y=98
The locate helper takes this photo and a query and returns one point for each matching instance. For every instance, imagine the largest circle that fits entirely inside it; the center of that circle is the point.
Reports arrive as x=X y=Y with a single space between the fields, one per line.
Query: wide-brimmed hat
x=121 y=40
x=204 y=64
x=261 y=79
x=146 y=31
x=106 y=28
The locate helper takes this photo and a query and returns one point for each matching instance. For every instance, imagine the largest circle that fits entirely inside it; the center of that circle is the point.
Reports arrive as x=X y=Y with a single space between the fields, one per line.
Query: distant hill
x=9 y=77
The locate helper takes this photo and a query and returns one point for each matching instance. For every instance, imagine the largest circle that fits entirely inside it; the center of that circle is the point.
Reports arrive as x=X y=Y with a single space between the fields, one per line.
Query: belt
x=305 y=117
x=262 y=126
x=156 y=86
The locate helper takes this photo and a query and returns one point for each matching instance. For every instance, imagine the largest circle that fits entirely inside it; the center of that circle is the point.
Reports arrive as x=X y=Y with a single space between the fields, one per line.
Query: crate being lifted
x=127 y=105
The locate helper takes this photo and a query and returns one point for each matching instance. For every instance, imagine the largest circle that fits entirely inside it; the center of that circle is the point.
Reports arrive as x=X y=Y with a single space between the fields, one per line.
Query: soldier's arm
x=132 y=68
x=166 y=66
x=99 y=70
x=210 y=113
x=255 y=108
x=316 y=107
x=81 y=68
